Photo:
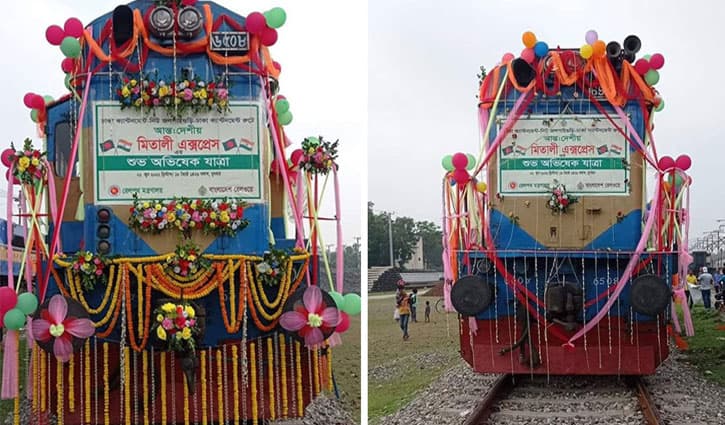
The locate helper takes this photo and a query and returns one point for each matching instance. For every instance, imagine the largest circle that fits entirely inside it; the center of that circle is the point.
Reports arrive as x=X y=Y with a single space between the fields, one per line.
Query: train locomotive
x=560 y=250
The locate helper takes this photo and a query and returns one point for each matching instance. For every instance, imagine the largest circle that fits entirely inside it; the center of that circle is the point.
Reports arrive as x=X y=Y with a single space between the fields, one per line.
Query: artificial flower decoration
x=57 y=325
x=187 y=259
x=28 y=163
x=176 y=97
x=318 y=155
x=218 y=217
x=314 y=319
x=559 y=200
x=177 y=326
x=90 y=268
x=272 y=267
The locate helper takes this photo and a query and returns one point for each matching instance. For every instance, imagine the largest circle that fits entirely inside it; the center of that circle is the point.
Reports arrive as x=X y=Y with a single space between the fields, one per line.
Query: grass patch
x=707 y=347
x=397 y=369
x=346 y=367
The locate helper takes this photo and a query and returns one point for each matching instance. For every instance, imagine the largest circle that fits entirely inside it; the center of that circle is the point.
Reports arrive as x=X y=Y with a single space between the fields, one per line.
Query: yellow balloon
x=481 y=187
x=586 y=51
x=529 y=39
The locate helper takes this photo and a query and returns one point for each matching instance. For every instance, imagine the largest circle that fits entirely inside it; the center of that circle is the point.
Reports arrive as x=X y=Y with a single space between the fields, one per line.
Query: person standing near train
x=705 y=281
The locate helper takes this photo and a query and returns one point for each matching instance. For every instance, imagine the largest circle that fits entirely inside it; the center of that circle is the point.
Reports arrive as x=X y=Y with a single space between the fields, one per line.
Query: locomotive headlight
x=190 y=21
x=162 y=22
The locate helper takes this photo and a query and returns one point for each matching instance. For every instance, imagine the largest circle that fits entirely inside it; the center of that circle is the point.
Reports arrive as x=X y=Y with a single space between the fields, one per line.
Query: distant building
x=416 y=261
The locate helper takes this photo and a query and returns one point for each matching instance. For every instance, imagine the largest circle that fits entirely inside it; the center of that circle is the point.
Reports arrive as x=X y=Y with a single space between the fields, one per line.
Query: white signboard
x=585 y=153
x=205 y=155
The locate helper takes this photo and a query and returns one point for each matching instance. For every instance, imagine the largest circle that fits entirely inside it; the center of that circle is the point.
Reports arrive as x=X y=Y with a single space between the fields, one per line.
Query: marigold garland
x=162 y=366
x=232 y=323
x=270 y=378
x=43 y=373
x=143 y=327
x=187 y=416
x=329 y=369
x=87 y=380
x=16 y=411
x=127 y=382
x=35 y=402
x=220 y=387
x=298 y=368
x=316 y=370
x=253 y=376
x=145 y=385
x=204 y=412
x=71 y=389
x=59 y=391
x=283 y=369
x=106 y=387
x=235 y=382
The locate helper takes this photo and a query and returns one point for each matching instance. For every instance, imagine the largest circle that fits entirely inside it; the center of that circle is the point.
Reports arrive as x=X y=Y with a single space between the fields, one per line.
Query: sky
x=322 y=49
x=424 y=56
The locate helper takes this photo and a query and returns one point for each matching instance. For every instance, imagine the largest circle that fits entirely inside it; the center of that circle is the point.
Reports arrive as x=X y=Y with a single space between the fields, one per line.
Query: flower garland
x=186 y=259
x=270 y=378
x=162 y=366
x=59 y=391
x=235 y=381
x=145 y=385
x=298 y=366
x=271 y=269
x=28 y=163
x=253 y=377
x=204 y=413
x=71 y=389
x=87 y=380
x=318 y=155
x=90 y=268
x=219 y=386
x=560 y=200
x=217 y=217
x=145 y=94
x=283 y=369
x=176 y=325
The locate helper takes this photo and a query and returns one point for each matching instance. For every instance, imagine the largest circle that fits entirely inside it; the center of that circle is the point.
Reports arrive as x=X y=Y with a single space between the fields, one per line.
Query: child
x=427 y=311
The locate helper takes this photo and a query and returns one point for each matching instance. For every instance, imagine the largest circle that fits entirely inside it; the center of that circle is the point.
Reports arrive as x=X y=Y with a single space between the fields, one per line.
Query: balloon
x=660 y=106
x=508 y=57
x=481 y=187
x=666 y=162
x=599 y=48
x=15 y=181
x=48 y=99
x=642 y=66
x=37 y=102
x=529 y=39
x=14 y=319
x=276 y=17
x=285 y=118
x=296 y=156
x=678 y=180
x=447 y=163
x=683 y=162
x=591 y=37
x=586 y=51
x=256 y=23
x=34 y=115
x=647 y=57
x=461 y=176
x=652 y=77
x=28 y=99
x=528 y=55
x=55 y=35
x=281 y=105
x=268 y=36
x=73 y=27
x=471 y=161
x=344 y=324
x=27 y=303
x=277 y=66
x=541 y=49
x=70 y=47
x=339 y=299
x=6 y=157
x=351 y=305
x=8 y=298
x=657 y=61
x=67 y=65
x=460 y=161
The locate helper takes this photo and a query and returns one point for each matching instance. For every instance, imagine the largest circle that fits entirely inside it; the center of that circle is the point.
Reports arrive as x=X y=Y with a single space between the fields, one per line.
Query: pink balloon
x=460 y=161
x=14 y=180
x=344 y=324
x=256 y=23
x=461 y=176
x=73 y=27
x=683 y=162
x=67 y=65
x=269 y=36
x=28 y=99
x=666 y=162
x=296 y=156
x=6 y=157
x=508 y=57
x=55 y=35
x=277 y=66
x=37 y=102
x=528 y=55
x=657 y=61
x=8 y=298
x=642 y=66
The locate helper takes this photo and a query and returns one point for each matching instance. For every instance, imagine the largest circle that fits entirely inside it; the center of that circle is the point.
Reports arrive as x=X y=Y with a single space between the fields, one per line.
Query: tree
x=431 y=235
x=378 y=246
x=404 y=240
x=352 y=275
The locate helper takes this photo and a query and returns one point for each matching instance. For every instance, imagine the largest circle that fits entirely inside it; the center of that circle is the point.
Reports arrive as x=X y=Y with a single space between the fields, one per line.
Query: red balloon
x=683 y=162
x=277 y=66
x=8 y=177
x=461 y=176
x=8 y=298
x=6 y=157
x=269 y=36
x=296 y=156
x=37 y=102
x=55 y=35
x=344 y=323
x=73 y=27
x=666 y=162
x=642 y=66
x=460 y=161
x=657 y=61
x=256 y=23
x=28 y=99
x=67 y=65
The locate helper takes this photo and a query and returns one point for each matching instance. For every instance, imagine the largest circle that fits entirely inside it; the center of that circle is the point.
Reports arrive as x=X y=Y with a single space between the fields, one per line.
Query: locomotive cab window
x=63 y=144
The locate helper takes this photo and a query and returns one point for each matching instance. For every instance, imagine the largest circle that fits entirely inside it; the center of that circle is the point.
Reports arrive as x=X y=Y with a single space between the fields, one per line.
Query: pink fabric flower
x=54 y=323
x=222 y=93
x=311 y=319
x=188 y=94
x=167 y=324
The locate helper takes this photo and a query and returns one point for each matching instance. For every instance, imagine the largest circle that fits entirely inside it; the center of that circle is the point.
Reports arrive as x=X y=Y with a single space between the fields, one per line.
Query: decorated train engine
x=555 y=260
x=172 y=289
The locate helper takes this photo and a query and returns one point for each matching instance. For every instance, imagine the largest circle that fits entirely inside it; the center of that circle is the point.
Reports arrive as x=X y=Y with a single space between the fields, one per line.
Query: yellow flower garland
x=59 y=391
x=186 y=401
x=235 y=382
x=106 y=390
x=316 y=370
x=16 y=411
x=298 y=367
x=270 y=378
x=127 y=386
x=253 y=377
x=71 y=390
x=145 y=384
x=35 y=402
x=87 y=380
x=42 y=378
x=162 y=366
x=204 y=412
x=220 y=387
x=283 y=369
x=329 y=369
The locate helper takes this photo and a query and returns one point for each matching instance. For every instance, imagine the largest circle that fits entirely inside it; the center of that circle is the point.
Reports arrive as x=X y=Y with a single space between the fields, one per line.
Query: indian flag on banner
x=616 y=149
x=125 y=145
x=246 y=144
x=520 y=150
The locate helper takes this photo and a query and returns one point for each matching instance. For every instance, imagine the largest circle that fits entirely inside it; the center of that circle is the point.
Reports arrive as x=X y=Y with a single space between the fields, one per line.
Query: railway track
x=517 y=399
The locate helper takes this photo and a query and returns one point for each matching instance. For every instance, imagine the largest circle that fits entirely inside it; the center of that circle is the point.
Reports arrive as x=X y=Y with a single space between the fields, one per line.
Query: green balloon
x=652 y=77
x=678 y=179
x=34 y=115
x=14 y=319
x=447 y=162
x=27 y=303
x=352 y=304
x=276 y=17
x=339 y=300
x=647 y=57
x=70 y=47
x=661 y=106
x=471 y=162
x=285 y=118
x=282 y=106
x=48 y=99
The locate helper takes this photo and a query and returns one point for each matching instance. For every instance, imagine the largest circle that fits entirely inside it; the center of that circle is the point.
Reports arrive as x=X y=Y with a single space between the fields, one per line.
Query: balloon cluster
x=66 y=37
x=459 y=163
x=14 y=307
x=37 y=104
x=281 y=106
x=594 y=47
x=533 y=48
x=648 y=67
x=349 y=305
x=683 y=162
x=265 y=25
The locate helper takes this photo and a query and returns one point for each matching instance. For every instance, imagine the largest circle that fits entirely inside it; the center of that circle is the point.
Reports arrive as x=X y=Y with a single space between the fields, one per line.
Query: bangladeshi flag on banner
x=107 y=145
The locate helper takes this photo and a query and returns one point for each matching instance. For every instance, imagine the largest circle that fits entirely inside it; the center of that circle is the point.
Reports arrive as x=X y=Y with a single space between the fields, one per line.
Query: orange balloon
x=529 y=39
x=599 y=48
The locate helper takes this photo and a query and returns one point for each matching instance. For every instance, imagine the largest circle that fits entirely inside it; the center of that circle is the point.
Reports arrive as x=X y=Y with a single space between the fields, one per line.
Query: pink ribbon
x=340 y=260
x=10 y=365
